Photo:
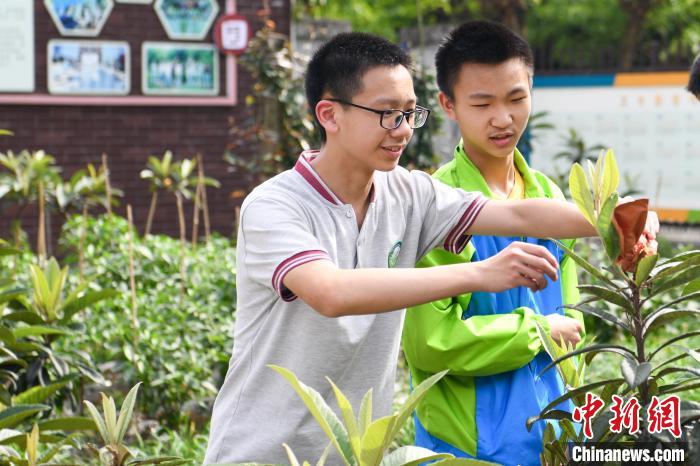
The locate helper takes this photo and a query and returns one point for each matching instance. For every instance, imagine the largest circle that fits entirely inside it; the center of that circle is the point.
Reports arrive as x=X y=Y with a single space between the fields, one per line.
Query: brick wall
x=77 y=135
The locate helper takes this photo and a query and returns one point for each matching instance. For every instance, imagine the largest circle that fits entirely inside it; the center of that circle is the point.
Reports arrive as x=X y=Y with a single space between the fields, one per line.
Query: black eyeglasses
x=392 y=119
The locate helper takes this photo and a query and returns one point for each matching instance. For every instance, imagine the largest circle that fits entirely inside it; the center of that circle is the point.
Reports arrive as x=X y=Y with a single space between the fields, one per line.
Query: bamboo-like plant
x=86 y=189
x=159 y=172
x=28 y=178
x=646 y=294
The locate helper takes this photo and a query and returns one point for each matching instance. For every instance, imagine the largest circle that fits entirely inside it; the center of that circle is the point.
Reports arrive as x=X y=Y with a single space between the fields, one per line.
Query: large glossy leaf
x=579 y=391
x=12 y=416
x=88 y=299
x=605 y=315
x=692 y=287
x=553 y=414
x=34 y=330
x=601 y=348
x=376 y=440
x=39 y=394
x=584 y=264
x=664 y=316
x=411 y=456
x=99 y=421
x=566 y=369
x=679 y=279
x=613 y=297
x=676 y=369
x=668 y=269
x=581 y=192
x=673 y=340
x=611 y=177
x=348 y=418
x=67 y=423
x=406 y=409
x=644 y=268
x=684 y=297
x=329 y=422
x=673 y=359
x=605 y=228
x=126 y=413
x=109 y=410
x=14 y=293
x=364 y=417
x=28 y=317
x=635 y=373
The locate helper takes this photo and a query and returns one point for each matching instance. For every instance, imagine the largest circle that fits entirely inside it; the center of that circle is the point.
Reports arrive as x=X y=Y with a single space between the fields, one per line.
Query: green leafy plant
x=631 y=283
x=183 y=349
x=113 y=428
x=358 y=439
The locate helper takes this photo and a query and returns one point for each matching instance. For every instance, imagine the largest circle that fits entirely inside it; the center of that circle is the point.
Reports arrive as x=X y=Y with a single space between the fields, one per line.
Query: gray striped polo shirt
x=292 y=219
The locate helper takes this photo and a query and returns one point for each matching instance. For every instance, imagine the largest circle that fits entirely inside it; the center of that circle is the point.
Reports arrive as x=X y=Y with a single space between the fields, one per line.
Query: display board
x=17 y=46
x=650 y=121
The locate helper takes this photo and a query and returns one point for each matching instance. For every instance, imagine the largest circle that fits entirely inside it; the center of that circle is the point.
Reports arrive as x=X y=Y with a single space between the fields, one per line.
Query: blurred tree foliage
x=626 y=27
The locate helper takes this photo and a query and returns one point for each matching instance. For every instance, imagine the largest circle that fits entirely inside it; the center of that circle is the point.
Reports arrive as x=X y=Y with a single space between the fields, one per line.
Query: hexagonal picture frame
x=187 y=19
x=84 y=18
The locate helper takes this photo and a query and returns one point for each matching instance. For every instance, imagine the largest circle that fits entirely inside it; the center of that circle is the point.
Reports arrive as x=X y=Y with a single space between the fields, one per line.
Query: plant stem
x=132 y=279
x=41 y=235
x=108 y=187
x=181 y=218
x=639 y=338
x=81 y=245
x=151 y=213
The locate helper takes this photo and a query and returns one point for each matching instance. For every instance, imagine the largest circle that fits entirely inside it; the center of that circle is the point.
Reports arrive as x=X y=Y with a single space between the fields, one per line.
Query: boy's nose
x=501 y=119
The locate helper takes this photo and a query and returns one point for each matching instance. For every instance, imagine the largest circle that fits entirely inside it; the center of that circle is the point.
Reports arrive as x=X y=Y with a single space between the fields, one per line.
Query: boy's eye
x=480 y=105
x=520 y=99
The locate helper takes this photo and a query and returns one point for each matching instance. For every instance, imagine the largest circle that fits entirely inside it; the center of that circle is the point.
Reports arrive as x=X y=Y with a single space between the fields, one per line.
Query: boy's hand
x=520 y=264
x=564 y=327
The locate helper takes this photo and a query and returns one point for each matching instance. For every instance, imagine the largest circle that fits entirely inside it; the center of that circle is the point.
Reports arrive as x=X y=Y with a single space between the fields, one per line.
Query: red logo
x=665 y=415
x=625 y=416
x=587 y=412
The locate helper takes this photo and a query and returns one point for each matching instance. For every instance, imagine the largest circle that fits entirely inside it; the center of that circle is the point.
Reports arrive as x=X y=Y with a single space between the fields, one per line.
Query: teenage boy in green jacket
x=489 y=340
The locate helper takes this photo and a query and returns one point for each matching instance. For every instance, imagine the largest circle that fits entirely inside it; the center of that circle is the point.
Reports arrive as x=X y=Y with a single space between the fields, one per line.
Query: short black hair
x=338 y=66
x=482 y=42
x=694 y=81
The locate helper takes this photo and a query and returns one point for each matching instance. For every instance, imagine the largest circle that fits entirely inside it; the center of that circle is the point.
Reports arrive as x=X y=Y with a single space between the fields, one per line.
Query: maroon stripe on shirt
x=311 y=179
x=290 y=263
x=457 y=239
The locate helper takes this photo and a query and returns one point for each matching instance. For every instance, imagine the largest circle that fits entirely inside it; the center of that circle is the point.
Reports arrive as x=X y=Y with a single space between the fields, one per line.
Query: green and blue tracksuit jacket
x=489 y=343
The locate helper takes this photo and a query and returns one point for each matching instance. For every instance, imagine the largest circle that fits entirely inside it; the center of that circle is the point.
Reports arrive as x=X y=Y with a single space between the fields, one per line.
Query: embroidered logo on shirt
x=394 y=254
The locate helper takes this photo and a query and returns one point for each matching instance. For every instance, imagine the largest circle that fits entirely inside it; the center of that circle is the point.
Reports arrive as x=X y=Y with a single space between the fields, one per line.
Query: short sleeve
x=448 y=213
x=276 y=238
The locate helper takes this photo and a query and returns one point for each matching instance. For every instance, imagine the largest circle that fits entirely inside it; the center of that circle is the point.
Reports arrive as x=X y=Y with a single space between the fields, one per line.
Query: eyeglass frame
x=381 y=113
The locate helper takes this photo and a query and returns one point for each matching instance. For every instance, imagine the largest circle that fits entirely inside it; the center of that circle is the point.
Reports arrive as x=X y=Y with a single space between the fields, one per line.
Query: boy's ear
x=447 y=105
x=325 y=113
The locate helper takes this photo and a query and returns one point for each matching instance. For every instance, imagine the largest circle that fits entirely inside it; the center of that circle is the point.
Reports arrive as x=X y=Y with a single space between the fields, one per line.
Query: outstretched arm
x=335 y=292
x=538 y=218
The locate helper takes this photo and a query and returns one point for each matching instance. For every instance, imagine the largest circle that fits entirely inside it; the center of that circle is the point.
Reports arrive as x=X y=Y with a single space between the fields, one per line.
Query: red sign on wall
x=232 y=33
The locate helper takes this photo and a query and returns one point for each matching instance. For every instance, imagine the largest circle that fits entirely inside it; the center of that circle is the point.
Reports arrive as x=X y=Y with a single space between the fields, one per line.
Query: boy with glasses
x=326 y=254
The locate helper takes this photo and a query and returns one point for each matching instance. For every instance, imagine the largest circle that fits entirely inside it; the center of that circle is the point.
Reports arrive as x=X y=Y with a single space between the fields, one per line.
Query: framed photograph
x=79 y=17
x=16 y=46
x=88 y=67
x=187 y=19
x=179 y=69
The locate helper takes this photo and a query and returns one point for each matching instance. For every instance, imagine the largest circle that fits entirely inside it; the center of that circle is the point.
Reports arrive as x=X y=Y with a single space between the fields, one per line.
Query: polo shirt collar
x=307 y=171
